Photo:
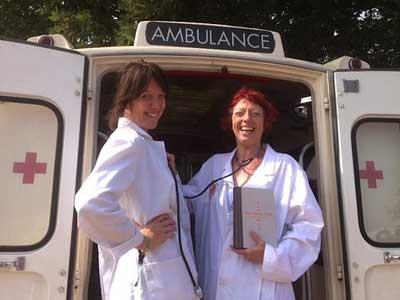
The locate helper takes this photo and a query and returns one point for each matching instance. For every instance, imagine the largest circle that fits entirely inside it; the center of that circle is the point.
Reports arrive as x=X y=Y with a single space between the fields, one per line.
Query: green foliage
x=21 y=19
x=312 y=30
x=84 y=23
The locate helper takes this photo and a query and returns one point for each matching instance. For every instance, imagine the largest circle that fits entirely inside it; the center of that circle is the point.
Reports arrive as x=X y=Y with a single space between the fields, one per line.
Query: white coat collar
x=125 y=122
x=265 y=171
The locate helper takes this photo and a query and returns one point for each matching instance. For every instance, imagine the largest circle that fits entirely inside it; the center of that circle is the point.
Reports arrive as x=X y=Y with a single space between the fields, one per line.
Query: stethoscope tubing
x=196 y=286
x=241 y=165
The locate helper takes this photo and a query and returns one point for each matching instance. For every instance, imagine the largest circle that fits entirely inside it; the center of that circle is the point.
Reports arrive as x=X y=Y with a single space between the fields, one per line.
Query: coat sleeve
x=300 y=243
x=100 y=214
x=198 y=182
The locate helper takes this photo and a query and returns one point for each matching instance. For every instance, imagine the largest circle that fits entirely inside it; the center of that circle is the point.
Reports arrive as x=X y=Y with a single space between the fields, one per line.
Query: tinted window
x=377 y=163
x=30 y=133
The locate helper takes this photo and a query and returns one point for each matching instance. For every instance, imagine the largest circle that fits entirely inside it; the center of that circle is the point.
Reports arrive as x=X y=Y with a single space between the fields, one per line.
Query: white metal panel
x=30 y=73
x=377 y=99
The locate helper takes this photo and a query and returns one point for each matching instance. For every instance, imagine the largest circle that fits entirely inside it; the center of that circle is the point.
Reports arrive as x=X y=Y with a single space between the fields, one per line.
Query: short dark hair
x=135 y=77
x=256 y=97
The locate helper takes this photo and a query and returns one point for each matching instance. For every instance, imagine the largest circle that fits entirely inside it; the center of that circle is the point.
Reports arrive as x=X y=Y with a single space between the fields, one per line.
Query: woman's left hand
x=256 y=253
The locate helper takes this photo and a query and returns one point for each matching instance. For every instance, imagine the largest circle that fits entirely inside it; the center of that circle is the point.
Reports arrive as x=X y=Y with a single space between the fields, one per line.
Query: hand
x=171 y=162
x=256 y=253
x=157 y=231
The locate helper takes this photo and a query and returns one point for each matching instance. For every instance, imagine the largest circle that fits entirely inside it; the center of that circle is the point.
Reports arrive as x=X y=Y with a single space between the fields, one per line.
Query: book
x=253 y=210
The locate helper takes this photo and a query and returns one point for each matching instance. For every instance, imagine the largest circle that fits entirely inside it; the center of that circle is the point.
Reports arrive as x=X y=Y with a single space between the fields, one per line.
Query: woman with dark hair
x=263 y=271
x=127 y=205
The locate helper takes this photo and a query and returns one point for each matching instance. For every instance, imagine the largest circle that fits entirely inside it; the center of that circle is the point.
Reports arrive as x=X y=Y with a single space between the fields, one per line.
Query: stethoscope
x=242 y=164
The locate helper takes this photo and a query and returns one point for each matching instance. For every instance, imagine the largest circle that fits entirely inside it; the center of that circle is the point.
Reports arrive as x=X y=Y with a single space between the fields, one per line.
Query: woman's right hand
x=157 y=231
x=171 y=162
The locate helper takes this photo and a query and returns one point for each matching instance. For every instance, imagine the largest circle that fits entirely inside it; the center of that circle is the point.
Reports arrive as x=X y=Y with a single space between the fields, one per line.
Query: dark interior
x=191 y=129
x=190 y=126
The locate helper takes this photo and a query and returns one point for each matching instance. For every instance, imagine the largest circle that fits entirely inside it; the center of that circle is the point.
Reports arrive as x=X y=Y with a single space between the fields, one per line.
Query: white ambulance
x=341 y=121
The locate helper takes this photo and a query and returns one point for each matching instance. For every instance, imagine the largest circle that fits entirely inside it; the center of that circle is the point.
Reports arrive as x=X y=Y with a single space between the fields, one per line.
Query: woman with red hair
x=262 y=271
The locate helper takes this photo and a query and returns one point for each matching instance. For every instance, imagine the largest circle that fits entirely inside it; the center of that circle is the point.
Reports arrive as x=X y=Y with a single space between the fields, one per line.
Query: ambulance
x=340 y=120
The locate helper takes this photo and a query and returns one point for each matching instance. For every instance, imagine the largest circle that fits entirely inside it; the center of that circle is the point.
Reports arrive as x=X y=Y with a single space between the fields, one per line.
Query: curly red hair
x=270 y=112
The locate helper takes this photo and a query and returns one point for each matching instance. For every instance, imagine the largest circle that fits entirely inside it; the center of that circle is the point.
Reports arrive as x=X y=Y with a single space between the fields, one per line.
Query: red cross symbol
x=29 y=168
x=371 y=174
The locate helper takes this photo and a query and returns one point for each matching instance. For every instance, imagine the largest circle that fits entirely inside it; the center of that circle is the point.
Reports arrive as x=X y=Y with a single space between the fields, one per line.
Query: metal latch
x=325 y=102
x=76 y=280
x=339 y=270
x=89 y=94
x=387 y=257
x=19 y=264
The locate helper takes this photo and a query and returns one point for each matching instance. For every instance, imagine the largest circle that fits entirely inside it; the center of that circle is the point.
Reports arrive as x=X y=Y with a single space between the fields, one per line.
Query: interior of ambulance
x=191 y=130
x=196 y=103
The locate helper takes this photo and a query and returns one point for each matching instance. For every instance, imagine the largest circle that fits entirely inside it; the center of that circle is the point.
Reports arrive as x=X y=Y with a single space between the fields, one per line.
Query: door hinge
x=325 y=103
x=18 y=264
x=339 y=271
x=89 y=94
x=76 y=280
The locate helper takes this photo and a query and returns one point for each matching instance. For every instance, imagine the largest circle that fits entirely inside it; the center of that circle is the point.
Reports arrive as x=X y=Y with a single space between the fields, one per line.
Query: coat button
x=222 y=282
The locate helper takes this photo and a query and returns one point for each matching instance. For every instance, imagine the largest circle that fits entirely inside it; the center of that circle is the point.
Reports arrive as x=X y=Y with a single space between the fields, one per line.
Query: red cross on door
x=371 y=174
x=29 y=168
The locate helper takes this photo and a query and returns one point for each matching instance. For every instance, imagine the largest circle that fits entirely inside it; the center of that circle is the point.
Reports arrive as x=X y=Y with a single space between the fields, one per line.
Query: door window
x=377 y=168
x=31 y=136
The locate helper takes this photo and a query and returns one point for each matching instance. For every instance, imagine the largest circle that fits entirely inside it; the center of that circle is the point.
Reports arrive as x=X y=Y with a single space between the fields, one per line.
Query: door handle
x=19 y=264
x=387 y=257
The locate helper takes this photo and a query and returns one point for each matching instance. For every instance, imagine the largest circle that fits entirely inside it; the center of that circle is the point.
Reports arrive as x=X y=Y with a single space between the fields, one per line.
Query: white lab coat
x=223 y=274
x=131 y=183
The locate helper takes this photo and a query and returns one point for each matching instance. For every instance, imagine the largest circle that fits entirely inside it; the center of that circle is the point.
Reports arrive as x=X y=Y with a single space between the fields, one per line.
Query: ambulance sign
x=209 y=36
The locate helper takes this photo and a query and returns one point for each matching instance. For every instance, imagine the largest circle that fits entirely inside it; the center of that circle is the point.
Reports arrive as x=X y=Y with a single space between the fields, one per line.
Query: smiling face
x=148 y=108
x=247 y=122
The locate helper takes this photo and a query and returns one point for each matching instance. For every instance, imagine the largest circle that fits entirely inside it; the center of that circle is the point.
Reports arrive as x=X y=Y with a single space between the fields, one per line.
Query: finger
x=167 y=223
x=242 y=252
x=169 y=229
x=165 y=218
x=256 y=237
x=171 y=162
x=170 y=235
x=160 y=218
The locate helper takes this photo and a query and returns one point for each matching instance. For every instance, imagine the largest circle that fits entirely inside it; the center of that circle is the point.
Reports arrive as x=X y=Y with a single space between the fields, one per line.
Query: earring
x=127 y=113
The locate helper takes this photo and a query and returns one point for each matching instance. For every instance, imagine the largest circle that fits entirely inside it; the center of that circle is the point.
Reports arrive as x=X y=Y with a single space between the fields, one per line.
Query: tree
x=84 y=23
x=311 y=30
x=23 y=18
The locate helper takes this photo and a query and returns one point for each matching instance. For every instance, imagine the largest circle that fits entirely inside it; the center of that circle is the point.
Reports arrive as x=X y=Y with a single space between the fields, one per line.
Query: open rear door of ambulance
x=368 y=147
x=42 y=96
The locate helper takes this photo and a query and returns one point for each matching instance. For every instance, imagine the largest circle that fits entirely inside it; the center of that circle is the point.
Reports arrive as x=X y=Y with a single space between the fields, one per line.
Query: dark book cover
x=253 y=210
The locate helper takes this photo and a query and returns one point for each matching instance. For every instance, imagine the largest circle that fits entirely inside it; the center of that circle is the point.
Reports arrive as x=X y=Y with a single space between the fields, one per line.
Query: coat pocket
x=168 y=279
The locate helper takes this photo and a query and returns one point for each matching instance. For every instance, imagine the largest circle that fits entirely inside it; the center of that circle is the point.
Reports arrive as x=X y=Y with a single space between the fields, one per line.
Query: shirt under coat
x=130 y=185
x=225 y=275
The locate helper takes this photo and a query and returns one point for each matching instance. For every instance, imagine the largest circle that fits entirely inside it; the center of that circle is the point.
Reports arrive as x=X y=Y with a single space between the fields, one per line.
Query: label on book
x=253 y=210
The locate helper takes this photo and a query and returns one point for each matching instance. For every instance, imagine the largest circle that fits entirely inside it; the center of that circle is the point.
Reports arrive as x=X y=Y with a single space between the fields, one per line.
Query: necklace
x=243 y=163
x=246 y=162
x=246 y=168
